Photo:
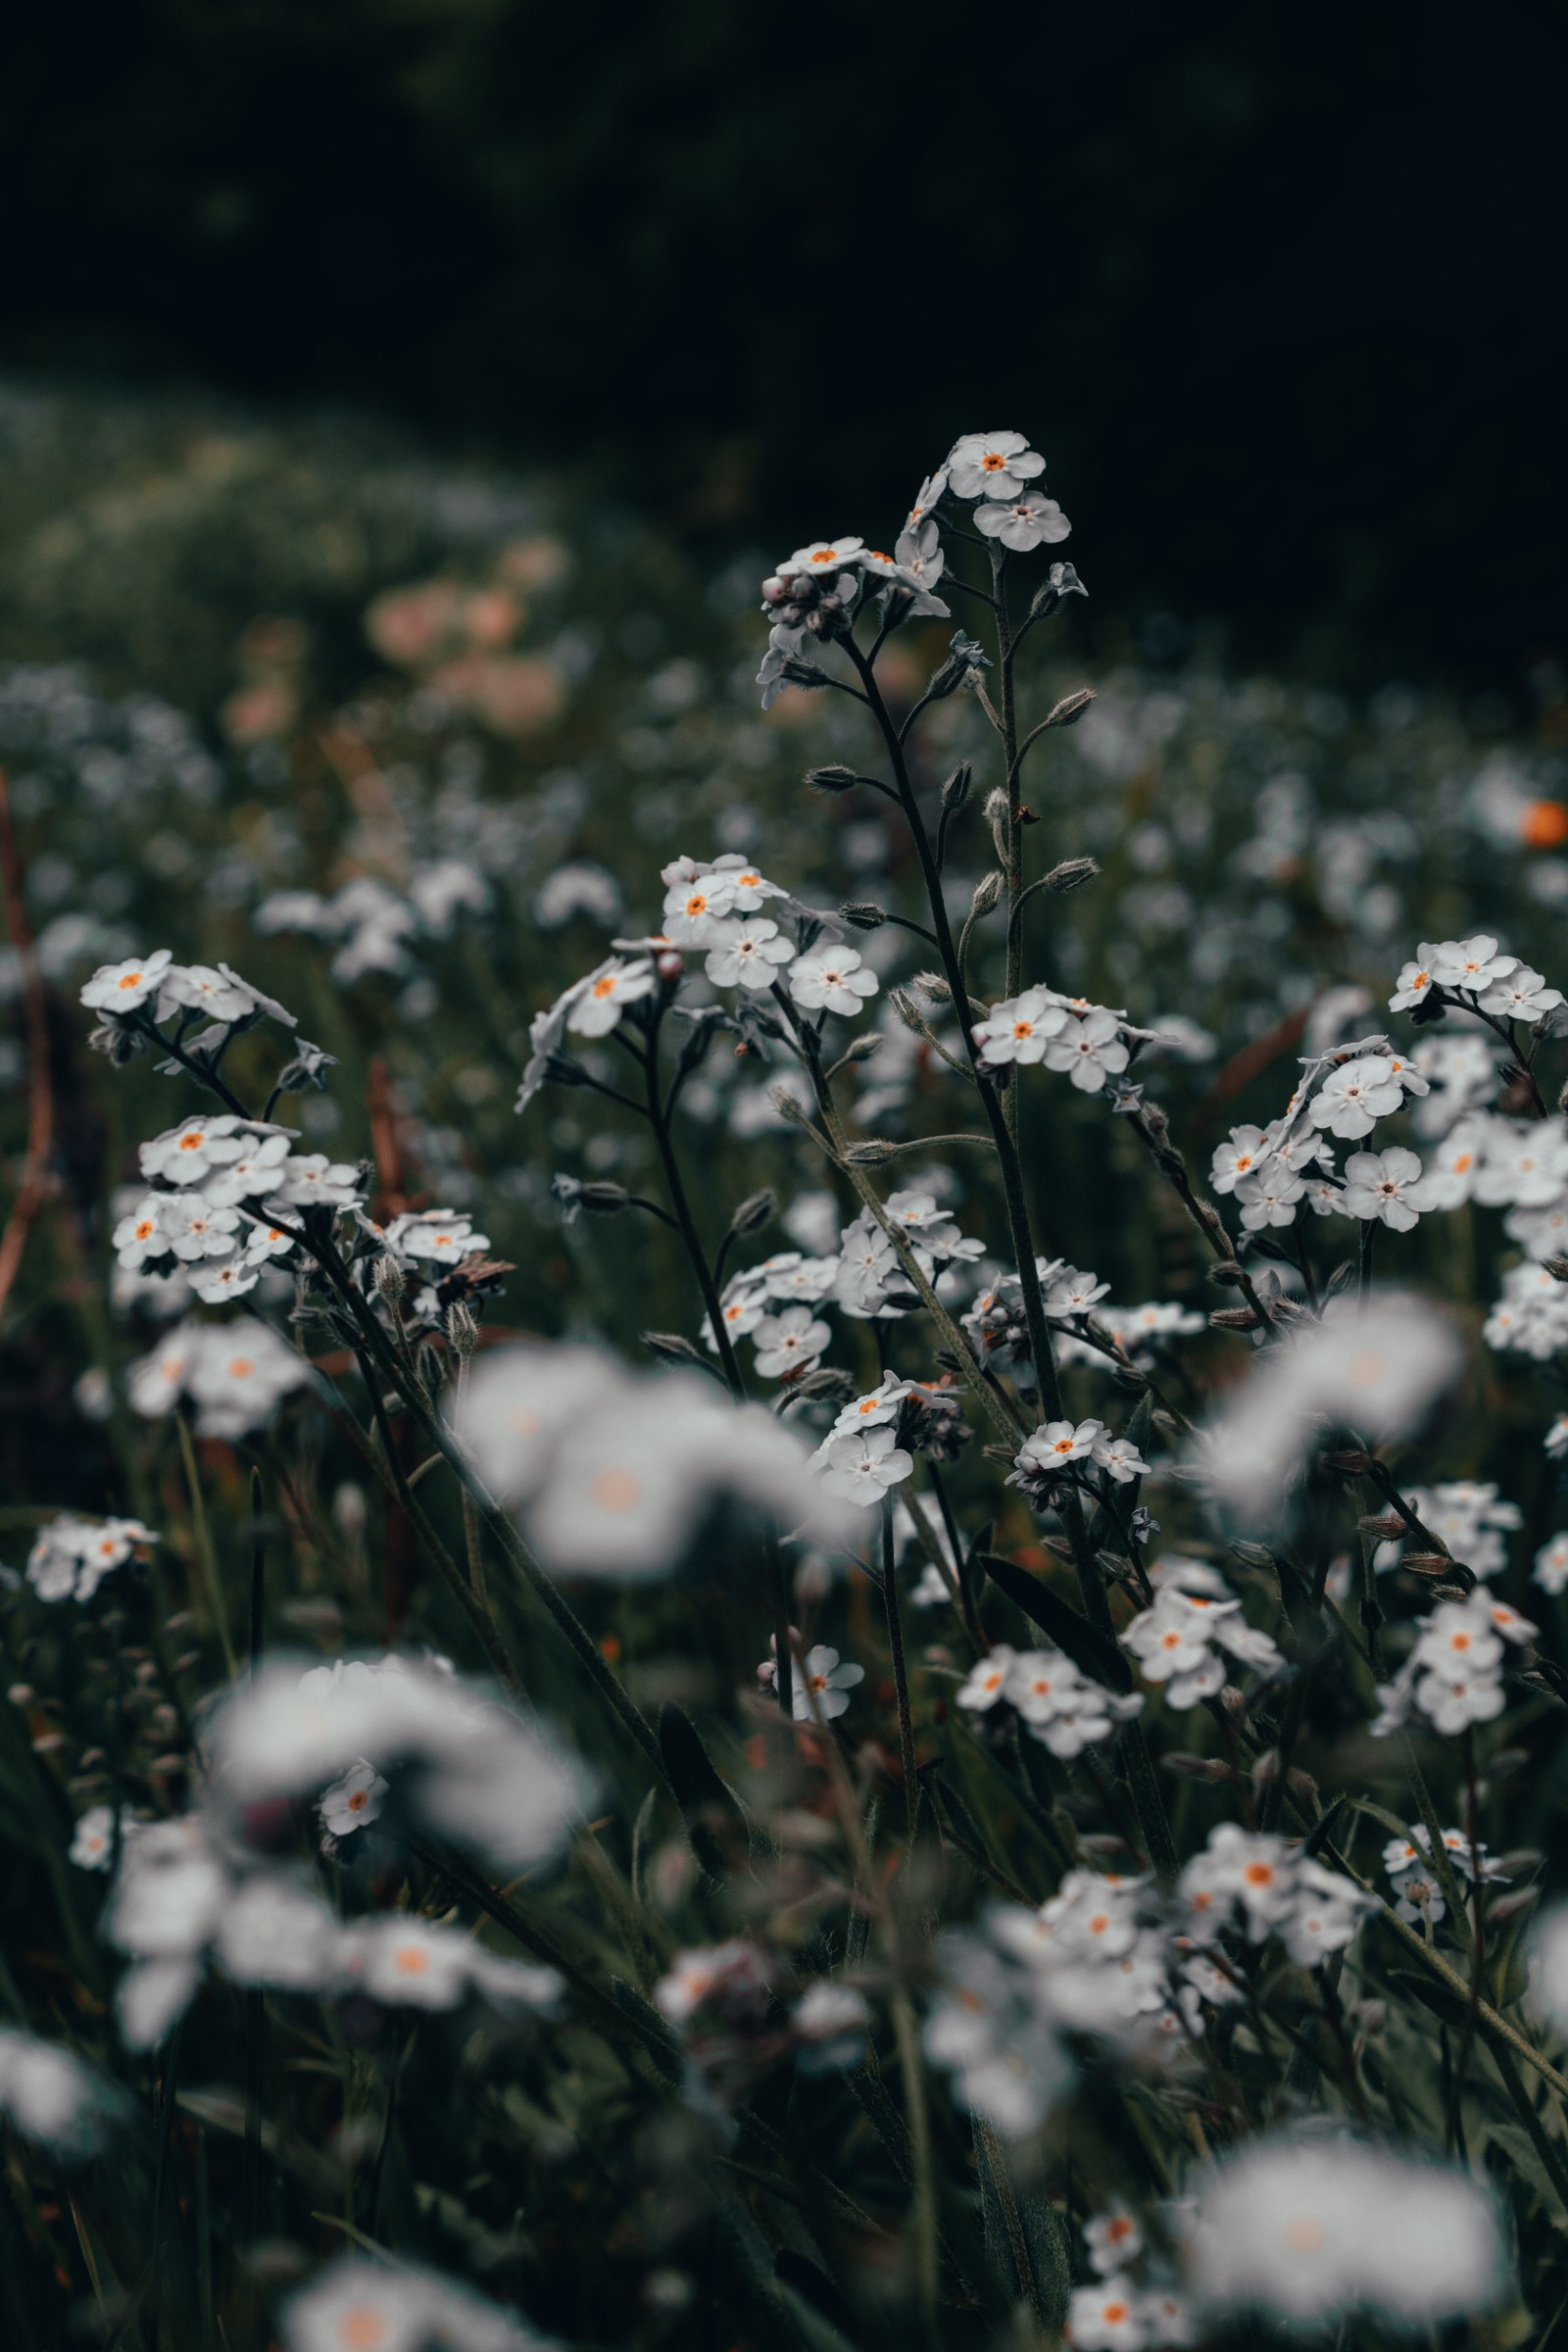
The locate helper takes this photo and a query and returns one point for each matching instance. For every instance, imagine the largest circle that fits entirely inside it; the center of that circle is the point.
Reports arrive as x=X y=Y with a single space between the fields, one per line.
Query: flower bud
x=1071 y=707
x=956 y=791
x=832 y=779
x=462 y=1330
x=1071 y=875
x=864 y=914
x=987 y=892
x=387 y=1277
x=755 y=1210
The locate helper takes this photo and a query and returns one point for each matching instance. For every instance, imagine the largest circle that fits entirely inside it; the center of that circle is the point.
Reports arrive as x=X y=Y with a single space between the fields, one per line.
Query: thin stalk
x=472 y=1608
x=685 y=1220
x=1363 y=1281
x=900 y=1673
x=201 y=1540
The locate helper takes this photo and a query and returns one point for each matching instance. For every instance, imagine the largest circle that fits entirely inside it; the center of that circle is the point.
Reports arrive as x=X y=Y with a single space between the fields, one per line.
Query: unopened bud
x=832 y=779
x=387 y=1275
x=1234 y=1318
x=862 y=1048
x=1252 y=1555
x=987 y=892
x=908 y=1010
x=873 y=1154
x=1071 y=875
x=864 y=913
x=1556 y=1267
x=462 y=1330
x=1386 y=1526
x=1196 y=1767
x=1349 y=1463
x=753 y=1211
x=1071 y=706
x=933 y=987
x=1228 y=1274
x=788 y=1106
x=956 y=791
x=605 y=1199
x=1426 y=1563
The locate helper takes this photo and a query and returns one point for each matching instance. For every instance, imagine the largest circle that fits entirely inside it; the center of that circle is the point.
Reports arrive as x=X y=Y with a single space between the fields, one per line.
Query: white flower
x=1112 y=2238
x=1269 y=1196
x=1556 y=1440
x=925 y=499
x=357 y=2305
x=194 y=1151
x=70 y=1556
x=988 y=1683
x=140 y=1236
x=1069 y=1290
x=198 y=988
x=1453 y=1698
x=1415 y=980
x=1309 y=2229
x=239 y=1380
x=823 y=557
x=1019 y=1028
x=749 y=955
x=820 y=1686
x=92 y=1842
x=193 y=1229
x=353 y=1801
x=1550 y=1571
x=878 y=1405
x=1090 y=1048
x=1522 y=996
x=789 y=1343
x=443 y=1235
x=156 y=1383
x=54 y=2099
x=1055 y=1444
x=1451 y=1175
x=1379 y=1186
x=1107 y=2317
x=1548 y=1965
x=860 y=1465
x=252 y=1170
x=218 y=1279
x=1355 y=1095
x=833 y=978
x=602 y=1002
x=1120 y=1459
x=1470 y=963
x=123 y=987
x=1243 y=1149
x=998 y=465
x=1033 y=520
x=1524 y=1165
x=310 y=1177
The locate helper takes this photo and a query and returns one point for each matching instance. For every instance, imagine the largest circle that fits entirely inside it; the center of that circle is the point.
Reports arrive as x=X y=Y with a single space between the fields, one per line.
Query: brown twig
x=34 y=1185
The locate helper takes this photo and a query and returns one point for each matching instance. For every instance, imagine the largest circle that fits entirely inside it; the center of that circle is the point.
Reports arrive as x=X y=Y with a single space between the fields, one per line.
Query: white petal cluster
x=1065 y=1033
x=1309 y=2231
x=1472 y=973
x=70 y=1556
x=1531 y=1317
x=1257 y=1886
x=440 y=1237
x=1417 y=1895
x=1057 y=1703
x=1065 y=1448
x=1454 y=1675
x=617 y=1475
x=235 y=1375
x=1179 y=1643
x=832 y=980
x=373 y=928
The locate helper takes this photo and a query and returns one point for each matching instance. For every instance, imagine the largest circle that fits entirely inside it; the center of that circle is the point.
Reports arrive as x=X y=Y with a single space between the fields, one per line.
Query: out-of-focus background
x=1276 y=292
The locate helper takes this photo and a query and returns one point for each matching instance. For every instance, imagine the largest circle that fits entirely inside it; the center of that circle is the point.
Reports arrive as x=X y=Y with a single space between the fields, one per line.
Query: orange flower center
x=617 y=1490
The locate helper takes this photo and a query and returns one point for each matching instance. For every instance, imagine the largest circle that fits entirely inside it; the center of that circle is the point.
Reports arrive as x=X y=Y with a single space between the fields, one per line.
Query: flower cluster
x=1057 y=1703
x=72 y=1556
x=1455 y=1673
x=1417 y=1891
x=1194 y=1617
x=1258 y=1886
x=235 y=1375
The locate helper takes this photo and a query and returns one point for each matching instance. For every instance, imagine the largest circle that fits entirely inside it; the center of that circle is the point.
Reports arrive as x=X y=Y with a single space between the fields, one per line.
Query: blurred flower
x=357 y=2305
x=53 y=2097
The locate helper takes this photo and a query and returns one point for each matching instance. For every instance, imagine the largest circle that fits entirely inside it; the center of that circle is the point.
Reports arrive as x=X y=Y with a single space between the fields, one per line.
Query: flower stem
x=901 y=1672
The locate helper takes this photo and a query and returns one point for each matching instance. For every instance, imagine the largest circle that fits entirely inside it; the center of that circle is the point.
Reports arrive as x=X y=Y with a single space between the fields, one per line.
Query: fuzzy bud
x=1349 y=1463
x=933 y=987
x=1386 y=1526
x=1233 y=1318
x=873 y=1154
x=605 y=1199
x=1228 y=1274
x=987 y=892
x=864 y=914
x=908 y=1010
x=1071 y=875
x=1556 y=1267
x=959 y=786
x=832 y=779
x=462 y=1330
x=1071 y=707
x=671 y=1348
x=788 y=1106
x=387 y=1277
x=865 y=1046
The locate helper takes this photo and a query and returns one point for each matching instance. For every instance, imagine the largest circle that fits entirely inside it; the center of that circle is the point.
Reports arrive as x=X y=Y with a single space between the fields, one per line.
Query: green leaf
x=1026 y=2244
x=1071 y=1632
x=713 y=1813
x=1433 y=1994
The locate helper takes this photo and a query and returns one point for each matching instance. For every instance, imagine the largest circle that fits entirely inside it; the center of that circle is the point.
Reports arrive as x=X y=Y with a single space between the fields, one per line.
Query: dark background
x=1278 y=290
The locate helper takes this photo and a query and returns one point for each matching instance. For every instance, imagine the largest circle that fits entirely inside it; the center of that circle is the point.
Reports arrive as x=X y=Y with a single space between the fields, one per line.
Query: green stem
x=202 y=1541
x=901 y=1672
